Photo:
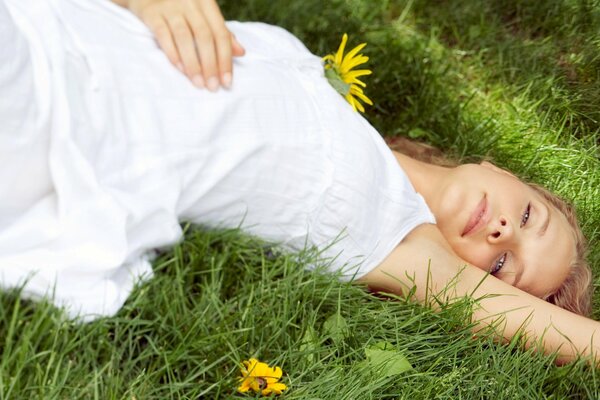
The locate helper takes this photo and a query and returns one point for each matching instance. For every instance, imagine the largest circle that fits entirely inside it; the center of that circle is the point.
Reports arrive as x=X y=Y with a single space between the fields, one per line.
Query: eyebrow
x=544 y=227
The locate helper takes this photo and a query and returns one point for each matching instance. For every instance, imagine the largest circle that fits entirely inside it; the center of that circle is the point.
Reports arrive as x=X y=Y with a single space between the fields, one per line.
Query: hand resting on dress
x=193 y=35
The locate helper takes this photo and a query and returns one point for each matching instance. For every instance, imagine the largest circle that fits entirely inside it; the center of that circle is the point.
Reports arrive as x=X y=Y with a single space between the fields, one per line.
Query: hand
x=193 y=35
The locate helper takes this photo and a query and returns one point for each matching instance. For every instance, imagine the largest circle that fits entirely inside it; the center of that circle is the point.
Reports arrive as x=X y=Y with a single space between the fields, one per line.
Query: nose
x=500 y=230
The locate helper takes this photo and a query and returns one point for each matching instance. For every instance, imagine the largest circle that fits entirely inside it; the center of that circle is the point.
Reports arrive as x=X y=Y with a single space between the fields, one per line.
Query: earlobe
x=489 y=165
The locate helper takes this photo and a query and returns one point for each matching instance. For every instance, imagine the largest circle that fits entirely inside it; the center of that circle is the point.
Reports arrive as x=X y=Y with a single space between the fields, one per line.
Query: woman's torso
x=135 y=148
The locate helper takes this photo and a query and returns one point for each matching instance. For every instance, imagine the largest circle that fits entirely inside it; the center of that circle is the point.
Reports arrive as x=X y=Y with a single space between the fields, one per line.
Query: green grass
x=513 y=80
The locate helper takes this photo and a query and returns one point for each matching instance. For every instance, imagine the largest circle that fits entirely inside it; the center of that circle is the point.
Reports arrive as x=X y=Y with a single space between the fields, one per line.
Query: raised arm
x=425 y=251
x=193 y=35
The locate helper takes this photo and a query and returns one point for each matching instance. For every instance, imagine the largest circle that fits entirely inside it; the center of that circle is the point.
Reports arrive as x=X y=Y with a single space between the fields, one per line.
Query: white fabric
x=107 y=148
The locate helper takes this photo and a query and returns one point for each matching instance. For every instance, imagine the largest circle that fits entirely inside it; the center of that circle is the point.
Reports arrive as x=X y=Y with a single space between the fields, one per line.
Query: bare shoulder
x=413 y=256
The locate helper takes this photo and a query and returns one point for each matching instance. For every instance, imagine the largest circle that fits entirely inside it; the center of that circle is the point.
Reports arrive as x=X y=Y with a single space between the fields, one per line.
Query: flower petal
x=359 y=106
x=351 y=100
x=340 y=52
x=257 y=368
x=277 y=388
x=356 y=61
x=363 y=98
x=276 y=372
x=354 y=51
x=244 y=387
x=357 y=73
x=358 y=82
x=351 y=76
x=355 y=89
x=262 y=370
x=246 y=367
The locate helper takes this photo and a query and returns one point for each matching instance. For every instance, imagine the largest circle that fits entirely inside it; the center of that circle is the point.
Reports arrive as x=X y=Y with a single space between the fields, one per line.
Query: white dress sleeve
x=62 y=235
x=16 y=78
x=24 y=179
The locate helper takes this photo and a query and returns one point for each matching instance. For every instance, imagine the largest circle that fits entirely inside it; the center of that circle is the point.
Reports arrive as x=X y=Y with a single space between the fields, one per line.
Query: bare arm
x=561 y=331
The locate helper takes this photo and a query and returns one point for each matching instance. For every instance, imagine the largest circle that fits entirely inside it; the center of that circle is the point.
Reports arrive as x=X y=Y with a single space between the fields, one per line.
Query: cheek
x=449 y=222
x=453 y=204
x=478 y=256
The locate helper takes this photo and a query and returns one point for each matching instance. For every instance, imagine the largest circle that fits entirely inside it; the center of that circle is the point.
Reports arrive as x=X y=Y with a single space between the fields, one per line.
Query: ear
x=489 y=165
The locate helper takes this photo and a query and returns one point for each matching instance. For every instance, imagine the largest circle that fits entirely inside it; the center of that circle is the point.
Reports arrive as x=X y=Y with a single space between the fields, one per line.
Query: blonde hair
x=575 y=294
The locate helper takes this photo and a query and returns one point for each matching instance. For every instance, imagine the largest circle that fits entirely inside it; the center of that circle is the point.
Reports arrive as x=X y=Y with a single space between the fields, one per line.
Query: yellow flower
x=338 y=70
x=259 y=377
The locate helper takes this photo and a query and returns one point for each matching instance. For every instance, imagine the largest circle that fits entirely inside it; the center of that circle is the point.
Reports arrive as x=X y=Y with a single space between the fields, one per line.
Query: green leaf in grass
x=309 y=344
x=336 y=328
x=384 y=359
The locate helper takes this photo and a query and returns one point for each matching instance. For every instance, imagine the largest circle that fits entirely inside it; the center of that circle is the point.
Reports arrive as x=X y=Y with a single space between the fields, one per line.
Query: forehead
x=547 y=258
x=495 y=180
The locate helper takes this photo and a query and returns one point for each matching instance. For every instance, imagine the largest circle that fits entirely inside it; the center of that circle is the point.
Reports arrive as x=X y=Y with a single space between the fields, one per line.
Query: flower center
x=262 y=383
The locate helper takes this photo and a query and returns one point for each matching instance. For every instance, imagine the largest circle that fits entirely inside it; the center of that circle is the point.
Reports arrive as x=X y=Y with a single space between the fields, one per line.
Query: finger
x=164 y=38
x=185 y=43
x=224 y=55
x=205 y=45
x=222 y=39
x=237 y=49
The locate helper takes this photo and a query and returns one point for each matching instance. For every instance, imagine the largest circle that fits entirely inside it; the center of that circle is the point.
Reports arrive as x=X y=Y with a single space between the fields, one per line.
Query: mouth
x=477 y=219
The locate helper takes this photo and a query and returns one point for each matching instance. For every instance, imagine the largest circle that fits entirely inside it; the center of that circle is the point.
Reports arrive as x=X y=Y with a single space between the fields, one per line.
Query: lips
x=477 y=219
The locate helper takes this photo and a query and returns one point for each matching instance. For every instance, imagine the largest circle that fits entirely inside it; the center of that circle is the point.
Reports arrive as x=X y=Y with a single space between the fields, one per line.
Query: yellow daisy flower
x=259 y=377
x=338 y=70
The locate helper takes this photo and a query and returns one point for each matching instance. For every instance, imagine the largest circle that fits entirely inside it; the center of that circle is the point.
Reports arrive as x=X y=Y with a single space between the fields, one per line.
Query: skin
x=519 y=231
x=193 y=35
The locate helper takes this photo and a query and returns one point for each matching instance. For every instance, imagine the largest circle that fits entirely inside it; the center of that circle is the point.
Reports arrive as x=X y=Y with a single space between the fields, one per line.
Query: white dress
x=107 y=148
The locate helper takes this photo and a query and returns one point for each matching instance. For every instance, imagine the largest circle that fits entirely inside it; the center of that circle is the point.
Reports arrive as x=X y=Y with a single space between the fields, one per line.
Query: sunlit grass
x=515 y=81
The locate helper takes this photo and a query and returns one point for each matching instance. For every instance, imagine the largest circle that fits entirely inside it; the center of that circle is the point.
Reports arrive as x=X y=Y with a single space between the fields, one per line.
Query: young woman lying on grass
x=114 y=146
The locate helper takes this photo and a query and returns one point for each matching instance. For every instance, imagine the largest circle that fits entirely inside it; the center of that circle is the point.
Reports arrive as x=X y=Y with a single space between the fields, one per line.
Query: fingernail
x=179 y=66
x=198 y=81
x=212 y=84
x=227 y=80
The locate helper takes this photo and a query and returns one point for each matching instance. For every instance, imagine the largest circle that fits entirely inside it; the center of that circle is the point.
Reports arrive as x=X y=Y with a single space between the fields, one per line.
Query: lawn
x=515 y=81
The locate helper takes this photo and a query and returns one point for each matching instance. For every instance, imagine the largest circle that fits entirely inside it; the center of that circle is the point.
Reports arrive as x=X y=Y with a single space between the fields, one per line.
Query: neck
x=427 y=179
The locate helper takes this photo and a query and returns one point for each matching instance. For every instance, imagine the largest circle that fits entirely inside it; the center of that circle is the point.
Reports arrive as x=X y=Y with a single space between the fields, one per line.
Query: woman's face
x=499 y=224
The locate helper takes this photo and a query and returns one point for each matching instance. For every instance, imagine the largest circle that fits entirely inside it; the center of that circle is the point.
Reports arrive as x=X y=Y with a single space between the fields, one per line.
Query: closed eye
x=498 y=264
x=526 y=214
